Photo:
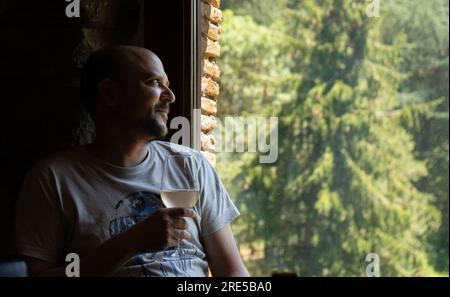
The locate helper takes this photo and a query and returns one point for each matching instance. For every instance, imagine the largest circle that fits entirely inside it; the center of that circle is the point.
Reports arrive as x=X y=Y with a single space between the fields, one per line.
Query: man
x=102 y=200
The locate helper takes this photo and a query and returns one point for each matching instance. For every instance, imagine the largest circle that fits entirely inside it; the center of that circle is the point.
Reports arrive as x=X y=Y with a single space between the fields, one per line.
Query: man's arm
x=101 y=261
x=223 y=255
x=167 y=226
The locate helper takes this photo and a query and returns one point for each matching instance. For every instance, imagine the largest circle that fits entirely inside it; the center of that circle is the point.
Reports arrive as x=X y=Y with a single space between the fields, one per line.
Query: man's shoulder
x=57 y=162
x=169 y=148
x=164 y=149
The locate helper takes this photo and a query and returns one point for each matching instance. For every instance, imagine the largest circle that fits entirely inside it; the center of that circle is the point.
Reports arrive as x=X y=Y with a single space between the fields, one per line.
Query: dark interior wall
x=41 y=51
x=172 y=48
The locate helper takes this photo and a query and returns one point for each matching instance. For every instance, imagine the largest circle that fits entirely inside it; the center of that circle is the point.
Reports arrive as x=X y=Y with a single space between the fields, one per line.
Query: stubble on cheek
x=156 y=125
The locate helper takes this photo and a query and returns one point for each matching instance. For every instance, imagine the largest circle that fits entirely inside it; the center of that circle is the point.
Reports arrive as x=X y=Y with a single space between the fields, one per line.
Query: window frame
x=172 y=30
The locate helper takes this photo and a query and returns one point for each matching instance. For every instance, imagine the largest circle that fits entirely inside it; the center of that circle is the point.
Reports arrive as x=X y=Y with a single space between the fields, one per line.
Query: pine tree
x=424 y=98
x=345 y=183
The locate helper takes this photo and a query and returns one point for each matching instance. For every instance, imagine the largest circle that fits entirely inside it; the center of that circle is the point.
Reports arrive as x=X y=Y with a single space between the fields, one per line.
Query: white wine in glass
x=179 y=183
x=184 y=198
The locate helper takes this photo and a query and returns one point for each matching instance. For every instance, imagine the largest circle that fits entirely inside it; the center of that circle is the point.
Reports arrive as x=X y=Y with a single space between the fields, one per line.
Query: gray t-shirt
x=72 y=202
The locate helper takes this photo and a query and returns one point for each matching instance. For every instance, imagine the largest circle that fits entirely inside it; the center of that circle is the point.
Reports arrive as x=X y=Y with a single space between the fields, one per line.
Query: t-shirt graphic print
x=140 y=205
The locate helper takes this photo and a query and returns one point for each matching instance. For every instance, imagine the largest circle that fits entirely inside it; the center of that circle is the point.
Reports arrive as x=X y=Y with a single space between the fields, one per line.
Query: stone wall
x=211 y=16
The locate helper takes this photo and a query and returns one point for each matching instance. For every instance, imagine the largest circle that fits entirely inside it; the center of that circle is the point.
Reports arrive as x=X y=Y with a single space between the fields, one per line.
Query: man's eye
x=153 y=82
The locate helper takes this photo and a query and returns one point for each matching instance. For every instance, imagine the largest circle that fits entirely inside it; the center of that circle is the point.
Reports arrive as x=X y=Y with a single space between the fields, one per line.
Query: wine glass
x=179 y=183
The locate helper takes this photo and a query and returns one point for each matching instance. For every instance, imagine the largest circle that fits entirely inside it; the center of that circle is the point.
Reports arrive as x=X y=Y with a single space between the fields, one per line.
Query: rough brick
x=209 y=107
x=211 y=13
x=208 y=143
x=210 y=87
x=210 y=48
x=211 y=16
x=207 y=123
x=215 y=3
x=210 y=30
x=211 y=69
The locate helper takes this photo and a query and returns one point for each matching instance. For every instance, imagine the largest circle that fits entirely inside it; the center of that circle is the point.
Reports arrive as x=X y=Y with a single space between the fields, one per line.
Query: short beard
x=154 y=129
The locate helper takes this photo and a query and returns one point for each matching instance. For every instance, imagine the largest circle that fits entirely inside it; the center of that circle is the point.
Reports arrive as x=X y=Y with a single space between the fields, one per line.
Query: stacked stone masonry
x=211 y=16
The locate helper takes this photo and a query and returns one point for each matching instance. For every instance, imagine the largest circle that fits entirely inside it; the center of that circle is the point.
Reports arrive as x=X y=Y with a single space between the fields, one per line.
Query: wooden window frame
x=172 y=30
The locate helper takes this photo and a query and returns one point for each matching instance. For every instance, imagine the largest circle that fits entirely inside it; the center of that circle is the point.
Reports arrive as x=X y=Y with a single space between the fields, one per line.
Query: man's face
x=144 y=95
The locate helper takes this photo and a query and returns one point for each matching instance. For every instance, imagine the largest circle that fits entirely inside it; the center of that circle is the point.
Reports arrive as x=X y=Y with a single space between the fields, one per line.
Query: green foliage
x=262 y=12
x=424 y=98
x=258 y=55
x=352 y=176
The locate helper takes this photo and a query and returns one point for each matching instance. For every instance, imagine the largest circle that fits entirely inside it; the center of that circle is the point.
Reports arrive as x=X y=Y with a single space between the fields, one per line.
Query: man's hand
x=160 y=230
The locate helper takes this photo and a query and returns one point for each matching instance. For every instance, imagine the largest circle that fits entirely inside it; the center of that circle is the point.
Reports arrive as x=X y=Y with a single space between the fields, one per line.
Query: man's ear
x=108 y=93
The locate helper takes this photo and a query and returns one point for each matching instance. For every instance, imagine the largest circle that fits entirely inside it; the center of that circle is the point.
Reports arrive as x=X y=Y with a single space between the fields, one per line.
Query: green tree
x=346 y=180
x=257 y=57
x=424 y=97
x=261 y=11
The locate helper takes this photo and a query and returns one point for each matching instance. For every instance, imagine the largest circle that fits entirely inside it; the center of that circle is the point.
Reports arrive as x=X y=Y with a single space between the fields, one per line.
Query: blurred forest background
x=363 y=134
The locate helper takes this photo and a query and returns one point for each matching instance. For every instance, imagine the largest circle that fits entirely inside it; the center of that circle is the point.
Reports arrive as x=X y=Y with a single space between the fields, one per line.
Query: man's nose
x=168 y=96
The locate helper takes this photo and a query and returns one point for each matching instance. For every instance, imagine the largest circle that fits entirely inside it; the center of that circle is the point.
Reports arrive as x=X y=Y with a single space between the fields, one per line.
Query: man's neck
x=120 y=150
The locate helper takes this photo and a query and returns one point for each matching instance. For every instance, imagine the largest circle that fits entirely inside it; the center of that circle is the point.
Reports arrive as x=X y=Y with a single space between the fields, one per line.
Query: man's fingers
x=179 y=223
x=178 y=236
x=181 y=234
x=181 y=212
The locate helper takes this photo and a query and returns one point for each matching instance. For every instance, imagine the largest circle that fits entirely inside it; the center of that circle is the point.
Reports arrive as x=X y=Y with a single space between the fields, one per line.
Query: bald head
x=117 y=63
